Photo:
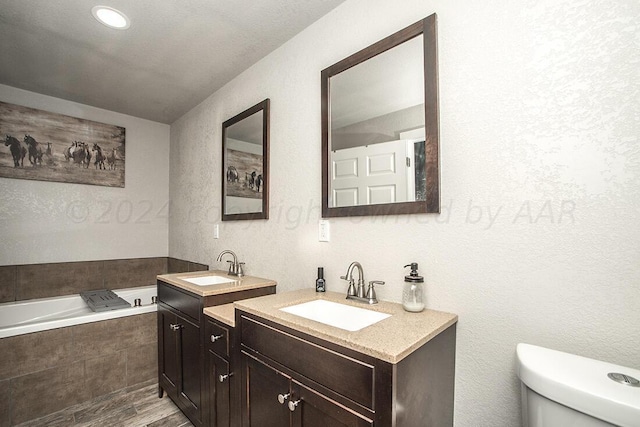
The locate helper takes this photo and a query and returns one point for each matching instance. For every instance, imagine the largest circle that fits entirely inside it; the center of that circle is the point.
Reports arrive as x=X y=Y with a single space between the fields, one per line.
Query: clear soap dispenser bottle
x=413 y=290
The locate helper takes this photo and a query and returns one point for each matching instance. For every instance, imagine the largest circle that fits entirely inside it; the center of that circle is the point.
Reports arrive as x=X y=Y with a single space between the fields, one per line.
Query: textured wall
x=538 y=237
x=52 y=222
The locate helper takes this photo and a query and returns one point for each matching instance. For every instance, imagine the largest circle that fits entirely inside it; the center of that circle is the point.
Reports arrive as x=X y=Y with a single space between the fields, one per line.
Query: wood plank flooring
x=137 y=406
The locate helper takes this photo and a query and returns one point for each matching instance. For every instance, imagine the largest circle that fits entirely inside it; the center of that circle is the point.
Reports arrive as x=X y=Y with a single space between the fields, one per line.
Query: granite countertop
x=235 y=284
x=224 y=313
x=391 y=339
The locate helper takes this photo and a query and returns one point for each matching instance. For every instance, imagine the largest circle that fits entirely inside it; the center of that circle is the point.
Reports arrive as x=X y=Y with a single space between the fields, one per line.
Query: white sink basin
x=206 y=280
x=335 y=314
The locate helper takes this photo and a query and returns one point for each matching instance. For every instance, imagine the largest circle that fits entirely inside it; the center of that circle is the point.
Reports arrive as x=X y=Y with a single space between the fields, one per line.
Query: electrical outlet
x=216 y=231
x=323 y=230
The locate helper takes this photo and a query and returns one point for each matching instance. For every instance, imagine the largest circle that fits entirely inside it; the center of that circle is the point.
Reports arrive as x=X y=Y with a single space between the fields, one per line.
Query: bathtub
x=24 y=317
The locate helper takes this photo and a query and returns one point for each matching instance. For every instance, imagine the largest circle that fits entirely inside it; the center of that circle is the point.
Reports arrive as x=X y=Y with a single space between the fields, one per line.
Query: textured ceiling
x=174 y=55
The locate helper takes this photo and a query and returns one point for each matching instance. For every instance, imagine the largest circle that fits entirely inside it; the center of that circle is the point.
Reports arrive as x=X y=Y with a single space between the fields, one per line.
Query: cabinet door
x=312 y=409
x=167 y=350
x=262 y=385
x=190 y=364
x=219 y=391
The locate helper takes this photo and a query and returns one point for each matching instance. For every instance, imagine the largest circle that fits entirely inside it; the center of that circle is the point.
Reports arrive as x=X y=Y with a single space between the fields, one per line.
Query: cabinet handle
x=175 y=326
x=292 y=405
x=283 y=397
x=215 y=338
x=222 y=378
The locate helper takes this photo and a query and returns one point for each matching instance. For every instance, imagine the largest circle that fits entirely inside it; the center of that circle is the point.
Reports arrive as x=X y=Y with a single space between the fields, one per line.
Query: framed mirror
x=380 y=137
x=245 y=164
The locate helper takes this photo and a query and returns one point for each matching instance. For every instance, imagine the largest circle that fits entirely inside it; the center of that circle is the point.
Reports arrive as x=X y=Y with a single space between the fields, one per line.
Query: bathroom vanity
x=299 y=372
x=183 y=365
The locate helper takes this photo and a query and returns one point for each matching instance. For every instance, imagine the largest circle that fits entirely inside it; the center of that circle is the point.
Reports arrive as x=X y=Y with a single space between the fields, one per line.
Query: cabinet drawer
x=180 y=300
x=217 y=338
x=350 y=377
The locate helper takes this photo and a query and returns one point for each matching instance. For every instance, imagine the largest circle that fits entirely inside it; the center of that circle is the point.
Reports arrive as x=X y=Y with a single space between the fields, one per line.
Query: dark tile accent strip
x=50 y=280
x=128 y=273
x=29 y=281
x=177 y=265
x=8 y=283
x=194 y=266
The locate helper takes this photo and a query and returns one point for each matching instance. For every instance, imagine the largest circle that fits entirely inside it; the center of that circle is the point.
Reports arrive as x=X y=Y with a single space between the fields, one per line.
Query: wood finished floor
x=137 y=406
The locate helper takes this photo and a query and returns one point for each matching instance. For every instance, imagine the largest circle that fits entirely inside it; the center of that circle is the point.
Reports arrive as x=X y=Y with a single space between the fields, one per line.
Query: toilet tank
x=561 y=389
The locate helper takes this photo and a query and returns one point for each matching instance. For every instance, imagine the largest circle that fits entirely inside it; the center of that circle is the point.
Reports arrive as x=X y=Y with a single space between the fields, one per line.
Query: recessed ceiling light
x=110 y=17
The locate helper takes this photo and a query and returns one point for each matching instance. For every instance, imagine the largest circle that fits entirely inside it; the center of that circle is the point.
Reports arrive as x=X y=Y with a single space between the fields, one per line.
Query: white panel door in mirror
x=387 y=176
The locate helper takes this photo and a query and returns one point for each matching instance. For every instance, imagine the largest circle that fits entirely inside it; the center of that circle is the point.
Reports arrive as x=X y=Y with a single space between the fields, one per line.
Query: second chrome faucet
x=235 y=268
x=358 y=293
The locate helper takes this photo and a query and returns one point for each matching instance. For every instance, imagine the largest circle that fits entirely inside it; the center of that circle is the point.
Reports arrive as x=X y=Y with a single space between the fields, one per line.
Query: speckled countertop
x=225 y=313
x=236 y=283
x=391 y=339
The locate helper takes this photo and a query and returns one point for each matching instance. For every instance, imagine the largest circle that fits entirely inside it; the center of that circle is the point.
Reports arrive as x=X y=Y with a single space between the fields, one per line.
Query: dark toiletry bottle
x=320 y=284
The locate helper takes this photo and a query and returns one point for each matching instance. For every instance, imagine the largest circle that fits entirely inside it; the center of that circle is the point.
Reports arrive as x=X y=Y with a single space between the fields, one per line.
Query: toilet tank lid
x=580 y=383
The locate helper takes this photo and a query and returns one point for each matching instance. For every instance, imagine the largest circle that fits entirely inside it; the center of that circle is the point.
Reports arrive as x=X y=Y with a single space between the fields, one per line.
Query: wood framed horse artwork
x=60 y=148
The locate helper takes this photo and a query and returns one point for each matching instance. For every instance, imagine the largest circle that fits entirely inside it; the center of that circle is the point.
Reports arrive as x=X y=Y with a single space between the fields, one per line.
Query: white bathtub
x=23 y=317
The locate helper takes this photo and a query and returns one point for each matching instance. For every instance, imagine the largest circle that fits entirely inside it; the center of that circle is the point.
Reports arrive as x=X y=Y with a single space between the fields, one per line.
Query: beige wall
x=44 y=222
x=537 y=240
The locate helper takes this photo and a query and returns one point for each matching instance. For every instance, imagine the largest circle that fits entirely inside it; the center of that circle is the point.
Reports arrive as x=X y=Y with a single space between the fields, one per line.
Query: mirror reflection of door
x=375 y=174
x=374 y=105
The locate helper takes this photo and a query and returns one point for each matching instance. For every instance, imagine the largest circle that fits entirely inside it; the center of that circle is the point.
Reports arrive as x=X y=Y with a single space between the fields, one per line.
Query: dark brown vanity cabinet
x=180 y=355
x=190 y=363
x=293 y=379
x=276 y=399
x=221 y=378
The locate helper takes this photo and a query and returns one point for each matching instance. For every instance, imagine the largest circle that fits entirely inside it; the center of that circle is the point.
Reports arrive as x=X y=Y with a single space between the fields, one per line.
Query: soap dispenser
x=413 y=290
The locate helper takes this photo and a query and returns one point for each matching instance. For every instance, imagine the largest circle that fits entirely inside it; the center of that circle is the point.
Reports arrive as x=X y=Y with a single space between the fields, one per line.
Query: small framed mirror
x=380 y=136
x=245 y=164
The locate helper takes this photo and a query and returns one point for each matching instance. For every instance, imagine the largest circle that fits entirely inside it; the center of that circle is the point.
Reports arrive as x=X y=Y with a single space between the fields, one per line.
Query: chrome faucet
x=357 y=293
x=235 y=268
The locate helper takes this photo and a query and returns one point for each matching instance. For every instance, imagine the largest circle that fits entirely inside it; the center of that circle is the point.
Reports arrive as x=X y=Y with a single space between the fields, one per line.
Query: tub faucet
x=358 y=293
x=235 y=268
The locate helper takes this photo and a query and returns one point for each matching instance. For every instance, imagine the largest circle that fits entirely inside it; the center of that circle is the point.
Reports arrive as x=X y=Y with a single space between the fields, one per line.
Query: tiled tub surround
x=43 y=372
x=23 y=282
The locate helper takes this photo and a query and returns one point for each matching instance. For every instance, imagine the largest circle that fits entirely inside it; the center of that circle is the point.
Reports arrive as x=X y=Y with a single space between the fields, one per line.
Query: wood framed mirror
x=245 y=164
x=380 y=136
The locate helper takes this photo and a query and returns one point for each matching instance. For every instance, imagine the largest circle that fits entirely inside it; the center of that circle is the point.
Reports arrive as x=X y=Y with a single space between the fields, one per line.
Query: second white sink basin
x=206 y=280
x=335 y=314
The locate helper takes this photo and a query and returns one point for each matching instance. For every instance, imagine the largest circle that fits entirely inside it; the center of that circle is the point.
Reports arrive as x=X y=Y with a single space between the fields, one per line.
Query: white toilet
x=565 y=390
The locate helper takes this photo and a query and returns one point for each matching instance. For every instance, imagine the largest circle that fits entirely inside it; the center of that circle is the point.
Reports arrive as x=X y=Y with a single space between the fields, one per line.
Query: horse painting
x=18 y=151
x=100 y=157
x=35 y=151
x=111 y=159
x=259 y=181
x=232 y=174
x=81 y=155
